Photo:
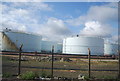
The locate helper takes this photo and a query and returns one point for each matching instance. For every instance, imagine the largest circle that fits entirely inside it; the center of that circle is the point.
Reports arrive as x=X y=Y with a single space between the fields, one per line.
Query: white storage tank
x=59 y=48
x=79 y=45
x=0 y=41
x=11 y=41
x=47 y=47
x=110 y=49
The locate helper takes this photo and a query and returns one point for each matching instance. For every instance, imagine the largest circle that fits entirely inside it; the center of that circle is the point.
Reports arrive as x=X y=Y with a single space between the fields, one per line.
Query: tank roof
x=84 y=36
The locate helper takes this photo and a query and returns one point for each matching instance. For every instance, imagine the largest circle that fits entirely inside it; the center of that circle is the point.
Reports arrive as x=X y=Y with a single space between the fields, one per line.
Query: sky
x=58 y=20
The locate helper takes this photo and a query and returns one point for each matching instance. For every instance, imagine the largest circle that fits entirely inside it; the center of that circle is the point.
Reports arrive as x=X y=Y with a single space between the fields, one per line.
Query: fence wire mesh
x=68 y=66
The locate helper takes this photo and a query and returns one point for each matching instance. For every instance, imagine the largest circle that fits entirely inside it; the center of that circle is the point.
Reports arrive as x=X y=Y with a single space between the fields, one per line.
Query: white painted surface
x=30 y=42
x=47 y=47
x=80 y=45
x=110 y=49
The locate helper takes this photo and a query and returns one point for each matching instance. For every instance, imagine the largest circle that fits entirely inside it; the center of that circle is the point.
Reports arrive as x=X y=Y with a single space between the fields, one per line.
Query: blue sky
x=57 y=20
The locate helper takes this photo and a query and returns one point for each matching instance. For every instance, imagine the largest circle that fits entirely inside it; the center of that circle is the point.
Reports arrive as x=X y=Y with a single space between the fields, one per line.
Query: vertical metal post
x=36 y=55
x=119 y=65
x=19 y=66
x=89 y=68
x=52 y=61
x=119 y=38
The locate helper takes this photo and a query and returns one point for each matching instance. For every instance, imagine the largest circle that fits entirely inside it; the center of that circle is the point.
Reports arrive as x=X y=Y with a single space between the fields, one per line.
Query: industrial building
x=79 y=45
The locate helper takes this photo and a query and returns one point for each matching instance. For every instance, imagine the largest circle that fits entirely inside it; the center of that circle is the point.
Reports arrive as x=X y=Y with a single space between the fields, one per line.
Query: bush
x=6 y=75
x=28 y=75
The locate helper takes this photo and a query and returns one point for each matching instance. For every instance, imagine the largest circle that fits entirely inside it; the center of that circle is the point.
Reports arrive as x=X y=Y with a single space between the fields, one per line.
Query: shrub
x=6 y=75
x=28 y=75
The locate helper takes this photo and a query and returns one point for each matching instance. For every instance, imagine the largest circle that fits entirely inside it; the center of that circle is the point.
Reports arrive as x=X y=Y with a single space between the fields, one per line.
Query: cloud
x=21 y=16
x=115 y=38
x=17 y=15
x=22 y=0
x=34 y=6
x=54 y=29
x=103 y=14
x=16 y=19
x=61 y=0
x=98 y=20
x=14 y=26
x=95 y=28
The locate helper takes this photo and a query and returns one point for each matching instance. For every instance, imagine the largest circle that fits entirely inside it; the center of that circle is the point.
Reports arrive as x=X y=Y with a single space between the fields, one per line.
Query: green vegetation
x=7 y=75
x=28 y=75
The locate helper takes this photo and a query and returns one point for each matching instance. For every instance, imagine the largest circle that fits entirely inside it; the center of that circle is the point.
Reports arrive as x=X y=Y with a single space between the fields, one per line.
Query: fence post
x=119 y=65
x=36 y=56
x=52 y=61
x=89 y=68
x=119 y=38
x=19 y=66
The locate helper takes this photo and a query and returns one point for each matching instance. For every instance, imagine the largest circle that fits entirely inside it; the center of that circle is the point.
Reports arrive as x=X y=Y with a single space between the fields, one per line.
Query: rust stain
x=8 y=43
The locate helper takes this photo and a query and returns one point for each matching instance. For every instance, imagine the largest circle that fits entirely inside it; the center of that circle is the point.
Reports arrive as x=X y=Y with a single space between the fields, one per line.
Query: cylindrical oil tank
x=0 y=41
x=110 y=49
x=59 y=48
x=79 y=45
x=47 y=47
x=13 y=40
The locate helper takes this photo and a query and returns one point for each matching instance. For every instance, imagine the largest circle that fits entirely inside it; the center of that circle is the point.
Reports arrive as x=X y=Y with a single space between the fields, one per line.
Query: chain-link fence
x=68 y=66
